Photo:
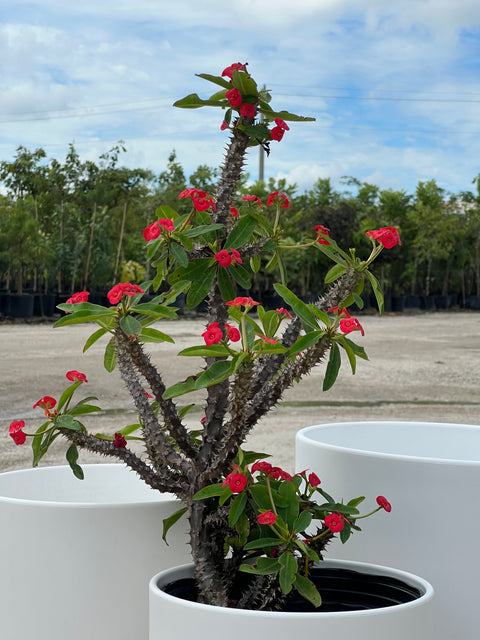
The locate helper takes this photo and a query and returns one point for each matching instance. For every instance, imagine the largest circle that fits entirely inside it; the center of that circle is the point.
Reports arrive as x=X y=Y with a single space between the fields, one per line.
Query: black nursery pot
x=341 y=590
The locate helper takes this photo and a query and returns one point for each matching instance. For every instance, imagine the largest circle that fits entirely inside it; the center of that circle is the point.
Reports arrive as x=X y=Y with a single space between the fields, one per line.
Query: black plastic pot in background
x=20 y=305
x=44 y=305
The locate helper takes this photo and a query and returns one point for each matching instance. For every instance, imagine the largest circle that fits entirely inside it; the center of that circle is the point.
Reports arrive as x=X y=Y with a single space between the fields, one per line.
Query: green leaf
x=350 y=353
x=302 y=522
x=85 y=316
x=180 y=388
x=164 y=211
x=376 y=290
x=72 y=457
x=304 y=342
x=130 y=326
x=289 y=117
x=179 y=254
x=110 y=359
x=264 y=567
x=237 y=507
x=244 y=83
x=290 y=512
x=307 y=590
x=215 y=79
x=217 y=372
x=154 y=335
x=215 y=351
x=241 y=276
x=255 y=263
x=270 y=322
x=67 y=394
x=288 y=571
x=202 y=229
x=225 y=285
x=67 y=421
x=299 y=307
x=83 y=409
x=335 y=272
x=261 y=543
x=260 y=495
x=155 y=310
x=171 y=520
x=212 y=491
x=333 y=367
x=94 y=337
x=193 y=101
x=241 y=233
x=200 y=287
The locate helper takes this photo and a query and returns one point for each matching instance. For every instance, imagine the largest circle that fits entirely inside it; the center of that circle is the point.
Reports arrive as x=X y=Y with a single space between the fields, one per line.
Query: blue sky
x=394 y=86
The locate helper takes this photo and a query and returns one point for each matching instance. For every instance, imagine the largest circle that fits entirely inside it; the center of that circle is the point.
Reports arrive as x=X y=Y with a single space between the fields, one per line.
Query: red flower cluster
x=233 y=211
x=46 y=403
x=254 y=200
x=200 y=199
x=347 y=323
x=267 y=517
x=387 y=236
x=248 y=303
x=284 y=313
x=15 y=432
x=213 y=334
x=334 y=521
x=384 y=503
x=276 y=197
x=225 y=259
x=322 y=234
x=119 y=441
x=276 y=473
x=236 y=482
x=123 y=289
x=279 y=129
x=81 y=296
x=76 y=376
x=236 y=66
x=153 y=230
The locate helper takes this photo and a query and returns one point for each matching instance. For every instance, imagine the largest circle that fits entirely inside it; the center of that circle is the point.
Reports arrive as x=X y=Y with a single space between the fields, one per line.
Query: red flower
x=152 y=231
x=223 y=258
x=123 y=288
x=314 y=480
x=347 y=325
x=242 y=302
x=254 y=199
x=234 y=97
x=81 y=296
x=119 y=441
x=283 y=312
x=269 y=340
x=274 y=197
x=268 y=517
x=334 y=522
x=236 y=66
x=192 y=193
x=387 y=236
x=76 y=376
x=277 y=133
x=322 y=233
x=236 y=256
x=261 y=465
x=233 y=212
x=47 y=402
x=166 y=224
x=282 y=124
x=224 y=125
x=233 y=333
x=213 y=334
x=384 y=503
x=247 y=109
x=202 y=203
x=236 y=482
x=15 y=432
x=284 y=475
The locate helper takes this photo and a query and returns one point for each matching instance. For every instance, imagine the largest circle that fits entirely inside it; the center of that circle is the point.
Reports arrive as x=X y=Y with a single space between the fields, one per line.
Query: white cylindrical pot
x=76 y=556
x=179 y=619
x=430 y=473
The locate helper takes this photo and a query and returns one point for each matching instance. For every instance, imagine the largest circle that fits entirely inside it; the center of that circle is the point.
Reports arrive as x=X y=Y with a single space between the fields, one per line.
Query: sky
x=394 y=85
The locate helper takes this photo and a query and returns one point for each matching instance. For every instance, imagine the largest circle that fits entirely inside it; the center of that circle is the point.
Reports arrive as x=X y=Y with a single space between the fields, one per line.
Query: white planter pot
x=431 y=475
x=175 y=618
x=76 y=556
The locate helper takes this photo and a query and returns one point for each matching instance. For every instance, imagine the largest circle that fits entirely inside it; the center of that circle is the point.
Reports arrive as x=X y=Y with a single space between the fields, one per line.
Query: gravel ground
x=422 y=367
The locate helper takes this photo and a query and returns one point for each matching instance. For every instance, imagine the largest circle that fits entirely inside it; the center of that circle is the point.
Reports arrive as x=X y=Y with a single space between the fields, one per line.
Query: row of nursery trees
x=74 y=225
